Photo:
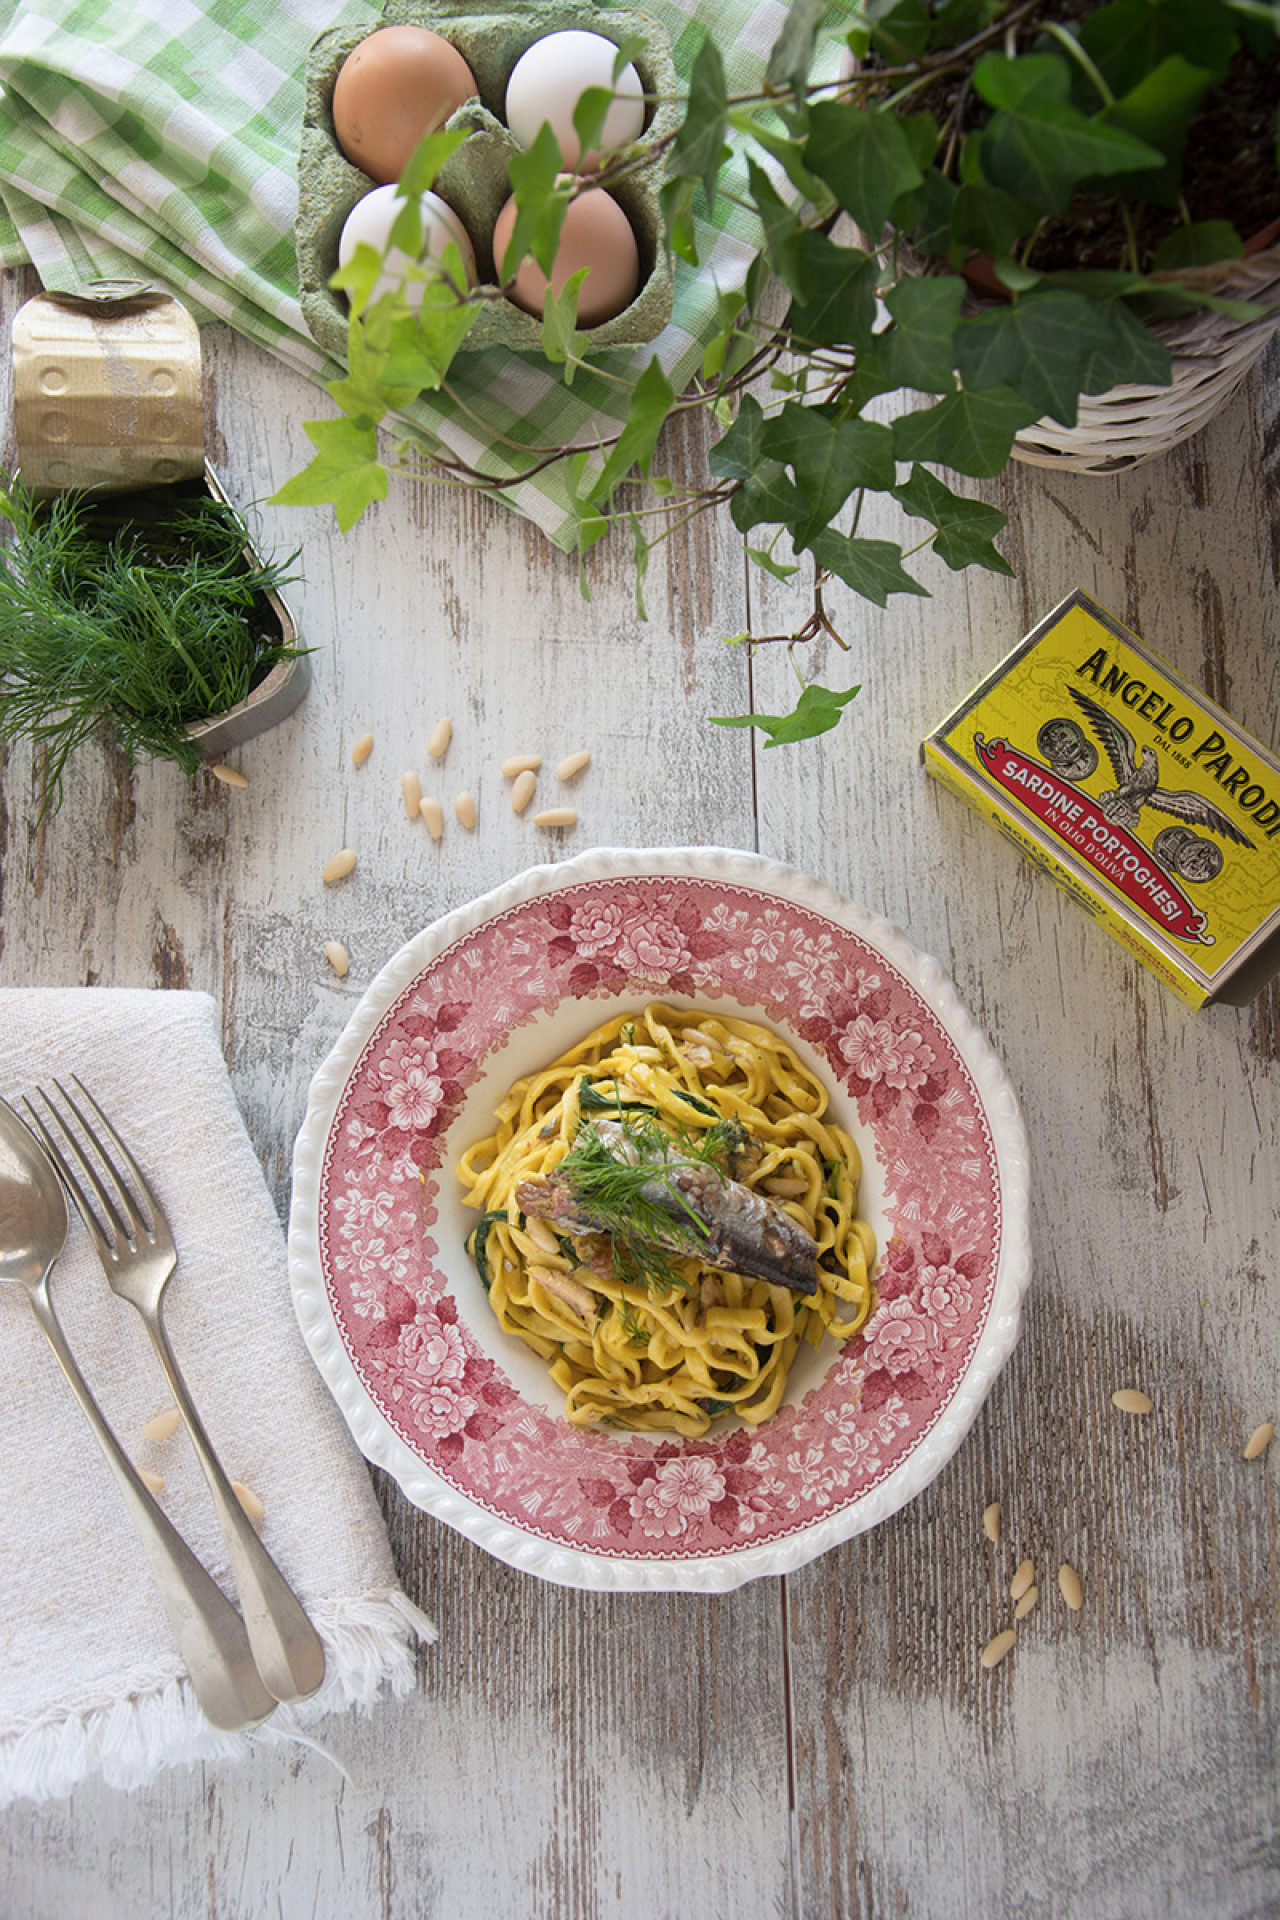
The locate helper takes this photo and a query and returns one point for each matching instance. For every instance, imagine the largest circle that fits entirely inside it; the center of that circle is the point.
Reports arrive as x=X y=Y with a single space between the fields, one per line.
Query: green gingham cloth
x=158 y=139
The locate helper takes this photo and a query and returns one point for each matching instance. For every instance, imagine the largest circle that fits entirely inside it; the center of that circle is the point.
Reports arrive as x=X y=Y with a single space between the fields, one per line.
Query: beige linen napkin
x=90 y=1677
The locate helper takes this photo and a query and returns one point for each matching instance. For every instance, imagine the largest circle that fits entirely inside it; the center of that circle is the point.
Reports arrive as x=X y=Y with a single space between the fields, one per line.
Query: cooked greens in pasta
x=666 y=1214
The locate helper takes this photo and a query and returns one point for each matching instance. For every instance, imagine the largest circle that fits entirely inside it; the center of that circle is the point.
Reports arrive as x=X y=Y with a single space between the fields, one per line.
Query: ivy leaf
x=965 y=528
x=589 y=116
x=1129 y=38
x=1202 y=244
x=542 y=200
x=1160 y=110
x=1039 y=147
x=784 y=237
x=766 y=498
x=740 y=450
x=562 y=343
x=971 y=432
x=791 y=56
x=816 y=711
x=865 y=157
x=1128 y=355
x=988 y=220
x=345 y=472
x=899 y=28
x=699 y=144
x=640 y=559
x=1039 y=346
x=840 y=306
x=652 y=399
x=762 y=558
x=916 y=351
x=423 y=343
x=829 y=456
x=427 y=158
x=872 y=568
x=789 y=155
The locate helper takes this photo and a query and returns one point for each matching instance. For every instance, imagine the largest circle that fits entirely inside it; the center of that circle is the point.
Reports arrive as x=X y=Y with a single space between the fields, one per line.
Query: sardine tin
x=1138 y=795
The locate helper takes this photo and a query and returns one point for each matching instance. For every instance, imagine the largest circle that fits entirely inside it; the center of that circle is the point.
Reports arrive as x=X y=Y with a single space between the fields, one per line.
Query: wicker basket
x=1212 y=353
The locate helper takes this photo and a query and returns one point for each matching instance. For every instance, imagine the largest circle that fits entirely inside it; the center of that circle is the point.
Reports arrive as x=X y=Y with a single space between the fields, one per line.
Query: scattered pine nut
x=441 y=735
x=411 y=790
x=995 y=1650
x=362 y=749
x=339 y=867
x=228 y=775
x=433 y=813
x=248 y=1499
x=571 y=764
x=1259 y=1440
x=151 y=1481
x=465 y=808
x=521 y=763
x=556 y=817
x=991 y=1521
x=1132 y=1400
x=338 y=957
x=522 y=791
x=1026 y=1603
x=161 y=1425
x=1070 y=1587
x=1024 y=1578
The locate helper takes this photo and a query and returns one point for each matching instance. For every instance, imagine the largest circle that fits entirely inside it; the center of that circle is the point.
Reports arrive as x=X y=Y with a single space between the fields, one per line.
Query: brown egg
x=397 y=86
x=597 y=235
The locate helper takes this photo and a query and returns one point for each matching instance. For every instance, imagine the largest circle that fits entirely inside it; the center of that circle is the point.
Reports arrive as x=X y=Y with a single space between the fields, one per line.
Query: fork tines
x=122 y=1214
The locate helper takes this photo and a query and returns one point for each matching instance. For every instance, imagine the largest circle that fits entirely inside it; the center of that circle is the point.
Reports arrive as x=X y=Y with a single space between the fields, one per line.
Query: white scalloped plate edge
x=565 y=1566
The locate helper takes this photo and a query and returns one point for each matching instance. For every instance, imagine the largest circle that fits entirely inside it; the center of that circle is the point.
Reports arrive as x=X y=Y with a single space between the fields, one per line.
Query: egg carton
x=474 y=179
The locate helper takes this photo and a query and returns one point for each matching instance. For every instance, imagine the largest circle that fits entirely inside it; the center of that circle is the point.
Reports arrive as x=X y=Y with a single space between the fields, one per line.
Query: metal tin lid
x=107 y=389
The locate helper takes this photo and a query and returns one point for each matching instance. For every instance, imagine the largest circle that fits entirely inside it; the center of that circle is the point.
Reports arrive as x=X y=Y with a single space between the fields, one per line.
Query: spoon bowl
x=33 y=1209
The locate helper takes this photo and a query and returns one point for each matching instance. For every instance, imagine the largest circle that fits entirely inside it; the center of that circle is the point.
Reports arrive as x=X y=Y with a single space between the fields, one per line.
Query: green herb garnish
x=135 y=618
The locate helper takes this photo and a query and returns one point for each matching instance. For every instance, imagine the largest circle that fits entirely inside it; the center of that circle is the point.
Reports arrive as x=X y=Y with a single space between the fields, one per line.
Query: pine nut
x=441 y=735
x=1259 y=1440
x=411 y=791
x=556 y=817
x=1131 y=1400
x=991 y=1521
x=337 y=956
x=248 y=1499
x=521 y=763
x=339 y=867
x=1025 y=1577
x=151 y=1481
x=161 y=1425
x=433 y=813
x=522 y=791
x=1026 y=1603
x=465 y=808
x=228 y=775
x=995 y=1650
x=1070 y=1587
x=571 y=764
x=362 y=749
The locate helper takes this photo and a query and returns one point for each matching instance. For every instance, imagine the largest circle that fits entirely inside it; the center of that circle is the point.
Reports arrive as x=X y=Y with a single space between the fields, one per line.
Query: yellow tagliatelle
x=671 y=1352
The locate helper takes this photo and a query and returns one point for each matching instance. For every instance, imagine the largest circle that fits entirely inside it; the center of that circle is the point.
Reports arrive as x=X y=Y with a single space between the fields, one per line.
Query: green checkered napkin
x=159 y=139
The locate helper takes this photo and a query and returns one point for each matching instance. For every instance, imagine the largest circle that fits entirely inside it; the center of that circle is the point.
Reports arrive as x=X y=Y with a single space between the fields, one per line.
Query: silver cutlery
x=132 y=1239
x=210 y=1634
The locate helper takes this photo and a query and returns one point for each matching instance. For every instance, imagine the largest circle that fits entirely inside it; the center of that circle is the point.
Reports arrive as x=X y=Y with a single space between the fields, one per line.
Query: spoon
x=210 y=1634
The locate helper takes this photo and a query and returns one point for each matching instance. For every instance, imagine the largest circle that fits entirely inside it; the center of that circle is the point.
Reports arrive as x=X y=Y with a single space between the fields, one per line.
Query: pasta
x=666 y=1214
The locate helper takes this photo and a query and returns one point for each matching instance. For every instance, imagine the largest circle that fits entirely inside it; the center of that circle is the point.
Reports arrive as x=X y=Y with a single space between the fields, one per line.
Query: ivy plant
x=960 y=146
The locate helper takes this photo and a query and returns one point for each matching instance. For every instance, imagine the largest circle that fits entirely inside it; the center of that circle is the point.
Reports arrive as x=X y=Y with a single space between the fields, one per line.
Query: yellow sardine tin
x=1147 y=802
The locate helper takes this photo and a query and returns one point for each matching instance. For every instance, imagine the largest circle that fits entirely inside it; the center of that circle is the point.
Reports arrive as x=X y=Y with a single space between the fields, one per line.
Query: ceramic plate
x=463 y=1415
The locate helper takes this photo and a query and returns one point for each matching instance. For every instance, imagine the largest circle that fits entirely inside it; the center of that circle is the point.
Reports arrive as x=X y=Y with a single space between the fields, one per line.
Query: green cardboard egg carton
x=474 y=179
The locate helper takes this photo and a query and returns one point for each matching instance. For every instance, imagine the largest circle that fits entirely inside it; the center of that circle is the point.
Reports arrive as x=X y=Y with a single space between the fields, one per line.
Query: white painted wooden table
x=826 y=1745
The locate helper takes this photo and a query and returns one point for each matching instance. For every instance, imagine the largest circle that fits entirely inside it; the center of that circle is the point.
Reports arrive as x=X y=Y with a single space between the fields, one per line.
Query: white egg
x=370 y=222
x=548 y=81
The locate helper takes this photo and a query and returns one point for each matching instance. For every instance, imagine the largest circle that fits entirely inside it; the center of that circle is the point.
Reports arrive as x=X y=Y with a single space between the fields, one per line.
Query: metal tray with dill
x=147 y=618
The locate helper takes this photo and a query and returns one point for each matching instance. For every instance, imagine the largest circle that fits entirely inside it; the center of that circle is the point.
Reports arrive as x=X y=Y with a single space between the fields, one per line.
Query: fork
x=132 y=1239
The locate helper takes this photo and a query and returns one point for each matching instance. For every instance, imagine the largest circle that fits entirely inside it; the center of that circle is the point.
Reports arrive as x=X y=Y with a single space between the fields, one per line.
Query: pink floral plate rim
x=463 y=1417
